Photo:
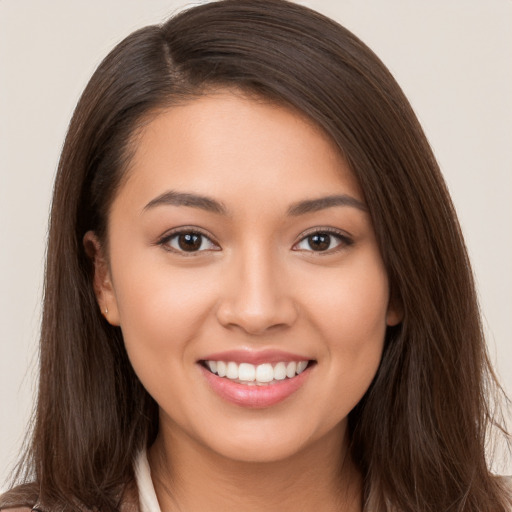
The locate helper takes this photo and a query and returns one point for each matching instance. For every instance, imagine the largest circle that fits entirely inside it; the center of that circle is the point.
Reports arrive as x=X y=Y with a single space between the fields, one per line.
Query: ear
x=395 y=313
x=102 y=280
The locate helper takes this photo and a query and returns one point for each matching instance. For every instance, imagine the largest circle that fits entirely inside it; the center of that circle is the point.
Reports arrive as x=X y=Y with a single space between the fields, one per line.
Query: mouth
x=264 y=374
x=256 y=386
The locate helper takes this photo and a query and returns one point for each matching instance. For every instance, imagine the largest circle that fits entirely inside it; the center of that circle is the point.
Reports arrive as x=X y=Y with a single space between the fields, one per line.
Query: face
x=245 y=275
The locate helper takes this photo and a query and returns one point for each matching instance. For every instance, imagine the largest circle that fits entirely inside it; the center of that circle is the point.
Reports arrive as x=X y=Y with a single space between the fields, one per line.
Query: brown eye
x=189 y=242
x=319 y=241
x=323 y=241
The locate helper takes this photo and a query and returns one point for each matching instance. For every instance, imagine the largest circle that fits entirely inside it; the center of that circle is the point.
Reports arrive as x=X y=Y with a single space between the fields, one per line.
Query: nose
x=256 y=297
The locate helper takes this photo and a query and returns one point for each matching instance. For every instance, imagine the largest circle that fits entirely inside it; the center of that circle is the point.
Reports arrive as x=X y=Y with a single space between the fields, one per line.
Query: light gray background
x=453 y=59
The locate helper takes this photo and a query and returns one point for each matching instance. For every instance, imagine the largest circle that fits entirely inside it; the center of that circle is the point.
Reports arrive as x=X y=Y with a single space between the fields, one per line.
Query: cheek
x=161 y=311
x=349 y=311
x=352 y=302
x=162 y=314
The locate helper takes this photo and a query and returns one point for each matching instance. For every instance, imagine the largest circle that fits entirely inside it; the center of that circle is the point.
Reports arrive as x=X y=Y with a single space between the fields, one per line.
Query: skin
x=258 y=284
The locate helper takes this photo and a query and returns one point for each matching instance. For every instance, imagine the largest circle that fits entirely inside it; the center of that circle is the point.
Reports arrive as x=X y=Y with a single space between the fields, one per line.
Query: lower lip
x=255 y=397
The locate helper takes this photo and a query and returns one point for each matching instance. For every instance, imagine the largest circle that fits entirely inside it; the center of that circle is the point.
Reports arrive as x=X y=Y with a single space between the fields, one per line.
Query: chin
x=279 y=443
x=263 y=452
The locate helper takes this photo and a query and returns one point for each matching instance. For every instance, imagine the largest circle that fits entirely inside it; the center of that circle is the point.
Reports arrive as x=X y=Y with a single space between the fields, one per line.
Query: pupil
x=319 y=241
x=189 y=242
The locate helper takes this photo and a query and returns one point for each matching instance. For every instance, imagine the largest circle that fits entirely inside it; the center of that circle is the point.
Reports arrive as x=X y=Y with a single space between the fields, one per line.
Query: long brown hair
x=419 y=434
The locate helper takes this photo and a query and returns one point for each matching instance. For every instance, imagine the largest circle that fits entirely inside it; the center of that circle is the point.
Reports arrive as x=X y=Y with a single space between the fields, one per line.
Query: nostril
x=256 y=322
x=256 y=304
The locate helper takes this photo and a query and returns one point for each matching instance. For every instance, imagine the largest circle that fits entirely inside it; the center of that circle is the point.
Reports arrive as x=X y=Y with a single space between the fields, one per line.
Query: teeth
x=280 y=371
x=232 y=371
x=301 y=367
x=246 y=372
x=264 y=373
x=252 y=375
x=221 y=368
x=291 y=369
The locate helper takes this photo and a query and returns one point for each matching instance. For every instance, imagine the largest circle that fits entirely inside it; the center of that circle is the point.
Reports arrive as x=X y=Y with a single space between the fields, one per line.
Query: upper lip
x=255 y=356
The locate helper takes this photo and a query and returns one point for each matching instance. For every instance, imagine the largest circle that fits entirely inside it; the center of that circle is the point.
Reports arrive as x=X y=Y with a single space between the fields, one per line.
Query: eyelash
x=343 y=239
x=167 y=238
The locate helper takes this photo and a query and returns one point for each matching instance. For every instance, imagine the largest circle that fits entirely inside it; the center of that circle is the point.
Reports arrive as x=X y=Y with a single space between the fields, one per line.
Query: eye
x=188 y=241
x=323 y=241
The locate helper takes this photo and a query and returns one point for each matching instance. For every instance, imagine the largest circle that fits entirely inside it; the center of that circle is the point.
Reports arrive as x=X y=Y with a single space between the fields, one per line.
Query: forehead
x=231 y=145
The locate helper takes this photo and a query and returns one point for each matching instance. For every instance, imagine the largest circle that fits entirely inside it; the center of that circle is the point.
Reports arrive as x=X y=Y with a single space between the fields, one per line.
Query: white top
x=147 y=495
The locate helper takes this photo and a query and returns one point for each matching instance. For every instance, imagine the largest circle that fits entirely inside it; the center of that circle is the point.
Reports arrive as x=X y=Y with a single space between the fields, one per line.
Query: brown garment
x=25 y=498
x=20 y=499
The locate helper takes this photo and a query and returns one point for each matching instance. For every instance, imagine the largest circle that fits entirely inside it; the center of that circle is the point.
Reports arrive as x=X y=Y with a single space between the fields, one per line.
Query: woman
x=257 y=293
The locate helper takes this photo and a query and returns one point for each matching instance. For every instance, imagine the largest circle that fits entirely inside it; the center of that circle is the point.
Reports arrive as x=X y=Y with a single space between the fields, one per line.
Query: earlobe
x=393 y=317
x=102 y=281
x=395 y=313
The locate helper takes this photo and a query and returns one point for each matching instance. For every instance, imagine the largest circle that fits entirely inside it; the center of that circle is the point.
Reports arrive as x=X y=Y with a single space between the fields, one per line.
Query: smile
x=258 y=385
x=256 y=375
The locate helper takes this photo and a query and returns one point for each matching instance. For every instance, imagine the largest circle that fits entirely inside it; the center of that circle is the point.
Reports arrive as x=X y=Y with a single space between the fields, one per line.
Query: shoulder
x=506 y=485
x=22 y=498
x=25 y=498
x=506 y=482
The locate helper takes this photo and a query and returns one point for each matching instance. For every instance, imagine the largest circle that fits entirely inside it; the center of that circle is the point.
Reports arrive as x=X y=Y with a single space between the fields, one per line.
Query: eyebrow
x=174 y=198
x=315 y=205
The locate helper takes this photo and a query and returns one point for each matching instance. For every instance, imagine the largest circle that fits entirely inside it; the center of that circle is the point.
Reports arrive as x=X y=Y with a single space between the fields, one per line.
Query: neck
x=322 y=478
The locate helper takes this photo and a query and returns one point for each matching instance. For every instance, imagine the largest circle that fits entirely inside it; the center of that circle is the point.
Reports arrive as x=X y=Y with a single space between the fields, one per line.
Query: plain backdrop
x=453 y=58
